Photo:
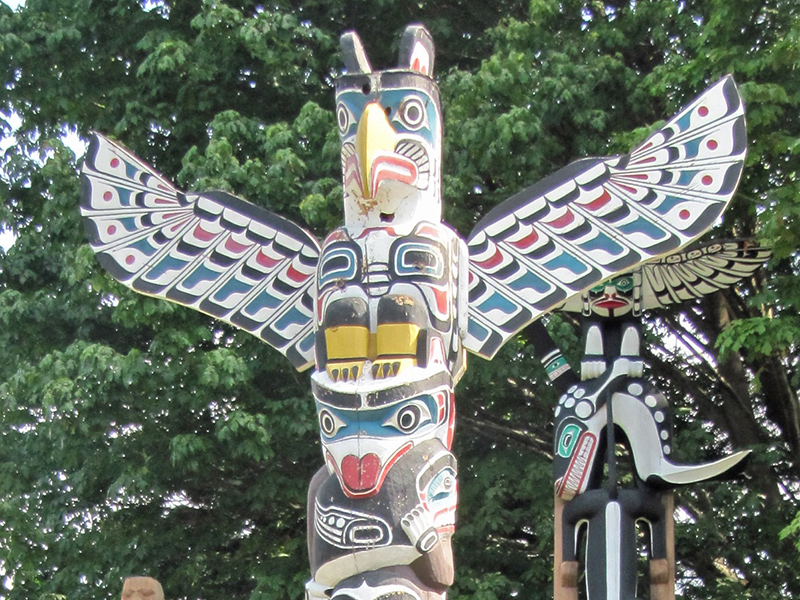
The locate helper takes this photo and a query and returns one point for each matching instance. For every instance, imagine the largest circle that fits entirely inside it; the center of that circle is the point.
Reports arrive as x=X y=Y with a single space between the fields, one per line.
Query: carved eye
x=329 y=423
x=344 y=118
x=410 y=417
x=411 y=114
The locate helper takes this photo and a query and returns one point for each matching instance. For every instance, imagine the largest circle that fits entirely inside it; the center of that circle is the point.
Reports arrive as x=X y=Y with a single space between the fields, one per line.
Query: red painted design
x=361 y=474
x=684 y=214
x=362 y=471
x=163 y=201
x=108 y=196
x=707 y=180
x=451 y=424
x=441 y=300
x=702 y=111
x=111 y=230
x=627 y=188
x=711 y=144
x=566 y=219
x=130 y=259
x=526 y=242
x=600 y=201
x=114 y=163
x=645 y=161
x=266 y=261
x=495 y=260
x=296 y=275
x=234 y=246
x=394 y=168
x=202 y=234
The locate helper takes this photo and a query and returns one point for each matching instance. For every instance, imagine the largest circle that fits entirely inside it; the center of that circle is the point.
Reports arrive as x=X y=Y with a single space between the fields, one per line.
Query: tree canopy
x=138 y=437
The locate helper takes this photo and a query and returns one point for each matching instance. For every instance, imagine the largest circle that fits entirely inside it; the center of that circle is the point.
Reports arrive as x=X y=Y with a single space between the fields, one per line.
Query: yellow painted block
x=397 y=339
x=347 y=341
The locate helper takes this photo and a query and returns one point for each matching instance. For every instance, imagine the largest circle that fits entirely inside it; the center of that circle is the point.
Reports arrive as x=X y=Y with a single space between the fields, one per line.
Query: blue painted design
x=124 y=195
x=684 y=121
x=307 y=343
x=130 y=170
x=166 y=264
x=687 y=176
x=498 y=302
x=530 y=280
x=378 y=422
x=200 y=274
x=602 y=242
x=233 y=286
x=693 y=147
x=327 y=273
x=291 y=317
x=260 y=302
x=476 y=330
x=566 y=261
x=145 y=247
x=405 y=268
x=668 y=204
x=641 y=225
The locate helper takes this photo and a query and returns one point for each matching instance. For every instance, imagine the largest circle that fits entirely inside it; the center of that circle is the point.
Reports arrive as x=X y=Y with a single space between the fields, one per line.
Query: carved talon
x=384 y=368
x=345 y=370
x=418 y=526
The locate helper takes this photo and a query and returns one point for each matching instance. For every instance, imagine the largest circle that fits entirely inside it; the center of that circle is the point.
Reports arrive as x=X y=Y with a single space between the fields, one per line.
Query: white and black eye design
x=329 y=423
x=344 y=118
x=411 y=114
x=409 y=417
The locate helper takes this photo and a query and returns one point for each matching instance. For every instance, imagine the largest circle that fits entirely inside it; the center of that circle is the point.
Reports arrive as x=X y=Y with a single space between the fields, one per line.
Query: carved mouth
x=611 y=304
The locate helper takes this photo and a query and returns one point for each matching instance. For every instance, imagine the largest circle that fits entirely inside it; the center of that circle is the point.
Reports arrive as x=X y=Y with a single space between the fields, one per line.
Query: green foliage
x=138 y=437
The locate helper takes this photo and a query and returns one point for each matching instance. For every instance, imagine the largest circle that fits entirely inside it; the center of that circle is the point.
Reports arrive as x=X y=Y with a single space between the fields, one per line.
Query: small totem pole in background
x=613 y=400
x=141 y=588
x=386 y=307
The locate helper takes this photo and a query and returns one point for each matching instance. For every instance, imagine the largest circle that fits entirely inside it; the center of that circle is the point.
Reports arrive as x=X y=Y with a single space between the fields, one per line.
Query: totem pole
x=613 y=399
x=387 y=306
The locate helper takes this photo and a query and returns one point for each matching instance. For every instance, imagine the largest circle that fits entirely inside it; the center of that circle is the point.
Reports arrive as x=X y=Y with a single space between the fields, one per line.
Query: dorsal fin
x=416 y=50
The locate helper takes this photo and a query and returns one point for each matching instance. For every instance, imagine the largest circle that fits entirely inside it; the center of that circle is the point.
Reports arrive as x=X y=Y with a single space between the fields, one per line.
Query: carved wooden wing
x=693 y=273
x=601 y=216
x=700 y=271
x=212 y=251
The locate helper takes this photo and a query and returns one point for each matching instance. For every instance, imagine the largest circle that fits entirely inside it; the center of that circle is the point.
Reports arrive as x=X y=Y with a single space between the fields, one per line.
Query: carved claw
x=345 y=370
x=418 y=525
x=384 y=368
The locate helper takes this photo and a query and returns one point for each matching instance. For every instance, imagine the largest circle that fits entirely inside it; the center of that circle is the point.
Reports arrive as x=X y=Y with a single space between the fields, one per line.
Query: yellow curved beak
x=375 y=135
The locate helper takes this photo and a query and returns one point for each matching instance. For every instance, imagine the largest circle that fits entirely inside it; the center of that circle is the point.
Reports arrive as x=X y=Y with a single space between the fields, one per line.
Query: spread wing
x=212 y=251
x=601 y=216
x=693 y=273
x=701 y=271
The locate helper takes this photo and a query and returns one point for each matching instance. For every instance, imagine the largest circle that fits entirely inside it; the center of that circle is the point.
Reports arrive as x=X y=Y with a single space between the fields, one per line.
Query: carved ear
x=416 y=50
x=355 y=58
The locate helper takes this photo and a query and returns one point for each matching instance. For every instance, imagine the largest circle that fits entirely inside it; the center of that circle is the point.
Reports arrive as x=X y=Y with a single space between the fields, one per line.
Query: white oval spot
x=584 y=409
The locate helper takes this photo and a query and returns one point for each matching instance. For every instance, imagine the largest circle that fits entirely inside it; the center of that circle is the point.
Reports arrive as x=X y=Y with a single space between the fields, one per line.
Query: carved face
x=613 y=298
x=142 y=588
x=361 y=444
x=390 y=128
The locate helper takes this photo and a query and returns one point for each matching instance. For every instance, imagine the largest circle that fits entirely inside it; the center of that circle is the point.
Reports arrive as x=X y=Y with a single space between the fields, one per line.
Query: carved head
x=390 y=127
x=142 y=588
x=614 y=298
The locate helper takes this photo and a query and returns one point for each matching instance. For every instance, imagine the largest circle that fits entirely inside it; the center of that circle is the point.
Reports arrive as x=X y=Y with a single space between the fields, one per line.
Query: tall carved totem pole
x=387 y=305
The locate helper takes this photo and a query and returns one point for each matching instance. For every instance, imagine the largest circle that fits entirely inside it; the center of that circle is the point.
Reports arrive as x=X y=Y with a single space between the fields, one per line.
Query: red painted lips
x=361 y=475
